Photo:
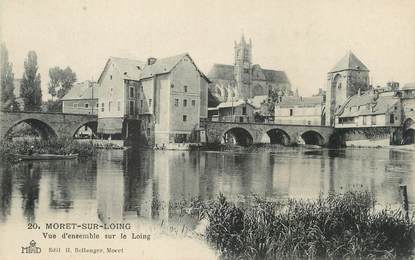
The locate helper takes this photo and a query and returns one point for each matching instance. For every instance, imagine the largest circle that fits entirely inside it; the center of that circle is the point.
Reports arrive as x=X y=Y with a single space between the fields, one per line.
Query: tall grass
x=63 y=145
x=337 y=226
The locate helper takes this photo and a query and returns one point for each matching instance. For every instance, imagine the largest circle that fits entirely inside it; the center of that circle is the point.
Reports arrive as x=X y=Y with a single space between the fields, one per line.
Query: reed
x=336 y=226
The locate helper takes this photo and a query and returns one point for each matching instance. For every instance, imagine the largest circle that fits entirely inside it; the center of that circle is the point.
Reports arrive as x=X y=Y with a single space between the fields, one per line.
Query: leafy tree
x=61 y=81
x=8 y=99
x=30 y=89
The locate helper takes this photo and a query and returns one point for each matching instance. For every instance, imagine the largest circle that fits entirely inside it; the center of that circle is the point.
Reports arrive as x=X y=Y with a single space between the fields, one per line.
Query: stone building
x=370 y=109
x=244 y=80
x=239 y=111
x=82 y=98
x=343 y=81
x=300 y=110
x=160 y=100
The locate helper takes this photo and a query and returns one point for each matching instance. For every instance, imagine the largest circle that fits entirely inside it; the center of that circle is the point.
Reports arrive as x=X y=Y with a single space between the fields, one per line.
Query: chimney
x=151 y=61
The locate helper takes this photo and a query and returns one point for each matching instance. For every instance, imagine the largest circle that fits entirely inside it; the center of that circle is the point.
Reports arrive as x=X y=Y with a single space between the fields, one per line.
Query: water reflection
x=123 y=185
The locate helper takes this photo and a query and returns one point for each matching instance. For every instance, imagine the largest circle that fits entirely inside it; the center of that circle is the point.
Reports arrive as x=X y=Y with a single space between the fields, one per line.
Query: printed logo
x=31 y=249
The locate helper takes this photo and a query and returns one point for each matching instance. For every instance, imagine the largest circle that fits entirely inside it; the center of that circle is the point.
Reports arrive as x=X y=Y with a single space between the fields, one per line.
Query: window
x=241 y=119
x=185 y=88
x=119 y=106
x=391 y=118
x=110 y=77
x=246 y=70
x=102 y=107
x=291 y=112
x=109 y=106
x=75 y=105
x=132 y=92
x=193 y=102
x=244 y=111
x=373 y=121
x=132 y=110
x=185 y=102
x=396 y=108
x=86 y=105
x=364 y=120
x=148 y=131
x=149 y=102
x=141 y=103
x=97 y=105
x=172 y=85
x=176 y=102
x=184 y=118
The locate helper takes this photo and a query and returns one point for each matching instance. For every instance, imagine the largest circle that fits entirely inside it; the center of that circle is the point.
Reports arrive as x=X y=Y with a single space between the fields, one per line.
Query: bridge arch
x=278 y=136
x=88 y=128
x=44 y=130
x=312 y=137
x=238 y=135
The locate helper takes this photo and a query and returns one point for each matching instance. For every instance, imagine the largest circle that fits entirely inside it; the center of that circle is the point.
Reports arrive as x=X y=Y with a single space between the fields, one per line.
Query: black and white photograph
x=207 y=129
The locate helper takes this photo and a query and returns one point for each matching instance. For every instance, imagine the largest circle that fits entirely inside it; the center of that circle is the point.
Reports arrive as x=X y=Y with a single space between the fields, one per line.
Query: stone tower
x=343 y=81
x=242 y=69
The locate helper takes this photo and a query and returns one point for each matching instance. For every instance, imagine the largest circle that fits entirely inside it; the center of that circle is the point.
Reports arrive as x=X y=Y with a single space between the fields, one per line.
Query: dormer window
x=185 y=88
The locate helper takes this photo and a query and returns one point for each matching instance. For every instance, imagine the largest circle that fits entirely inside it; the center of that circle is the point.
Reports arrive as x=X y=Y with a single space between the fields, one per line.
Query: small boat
x=47 y=156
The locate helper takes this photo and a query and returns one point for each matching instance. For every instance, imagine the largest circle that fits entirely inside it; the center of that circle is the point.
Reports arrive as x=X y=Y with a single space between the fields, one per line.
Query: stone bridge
x=48 y=125
x=252 y=133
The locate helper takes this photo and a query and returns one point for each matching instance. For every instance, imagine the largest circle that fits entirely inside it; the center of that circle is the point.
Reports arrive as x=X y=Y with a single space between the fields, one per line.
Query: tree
x=61 y=81
x=8 y=99
x=30 y=89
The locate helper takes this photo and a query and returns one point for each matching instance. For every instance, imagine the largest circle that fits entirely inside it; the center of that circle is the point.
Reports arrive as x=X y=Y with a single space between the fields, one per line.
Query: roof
x=130 y=69
x=367 y=104
x=82 y=90
x=408 y=86
x=226 y=72
x=300 y=101
x=233 y=104
x=349 y=62
x=222 y=71
x=161 y=66
x=276 y=76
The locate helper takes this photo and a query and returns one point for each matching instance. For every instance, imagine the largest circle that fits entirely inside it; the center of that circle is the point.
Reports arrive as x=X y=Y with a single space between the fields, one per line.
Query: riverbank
x=338 y=226
x=61 y=146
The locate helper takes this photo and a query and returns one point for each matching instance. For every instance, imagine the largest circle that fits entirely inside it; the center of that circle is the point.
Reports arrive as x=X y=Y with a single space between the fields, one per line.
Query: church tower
x=343 y=81
x=242 y=69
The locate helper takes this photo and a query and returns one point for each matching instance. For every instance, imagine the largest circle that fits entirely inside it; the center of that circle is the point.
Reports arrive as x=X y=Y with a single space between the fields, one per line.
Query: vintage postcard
x=240 y=129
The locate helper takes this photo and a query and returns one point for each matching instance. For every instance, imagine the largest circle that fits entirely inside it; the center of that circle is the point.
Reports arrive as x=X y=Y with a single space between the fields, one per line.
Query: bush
x=63 y=145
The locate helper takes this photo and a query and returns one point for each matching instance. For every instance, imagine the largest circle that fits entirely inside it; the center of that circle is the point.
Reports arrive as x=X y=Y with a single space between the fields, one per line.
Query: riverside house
x=159 y=101
x=82 y=98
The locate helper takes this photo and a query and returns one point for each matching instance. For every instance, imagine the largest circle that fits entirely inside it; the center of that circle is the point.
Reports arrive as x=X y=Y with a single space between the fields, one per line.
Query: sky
x=303 y=38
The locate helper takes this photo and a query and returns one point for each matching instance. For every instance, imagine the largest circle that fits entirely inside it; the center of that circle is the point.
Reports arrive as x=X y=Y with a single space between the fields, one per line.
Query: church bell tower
x=242 y=69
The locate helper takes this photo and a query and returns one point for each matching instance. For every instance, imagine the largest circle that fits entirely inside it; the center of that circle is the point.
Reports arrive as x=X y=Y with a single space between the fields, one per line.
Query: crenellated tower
x=242 y=69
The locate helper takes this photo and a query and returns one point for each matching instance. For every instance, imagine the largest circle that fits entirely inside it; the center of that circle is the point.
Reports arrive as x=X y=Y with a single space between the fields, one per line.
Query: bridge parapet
x=48 y=123
x=216 y=131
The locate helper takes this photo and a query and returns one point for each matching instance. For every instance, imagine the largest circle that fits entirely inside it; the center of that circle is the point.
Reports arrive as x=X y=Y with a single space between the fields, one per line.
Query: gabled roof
x=409 y=86
x=83 y=90
x=222 y=71
x=128 y=68
x=276 y=76
x=137 y=70
x=349 y=62
x=367 y=104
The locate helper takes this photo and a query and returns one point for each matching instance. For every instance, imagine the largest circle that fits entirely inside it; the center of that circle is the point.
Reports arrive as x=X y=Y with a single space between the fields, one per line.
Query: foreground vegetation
x=336 y=226
x=64 y=145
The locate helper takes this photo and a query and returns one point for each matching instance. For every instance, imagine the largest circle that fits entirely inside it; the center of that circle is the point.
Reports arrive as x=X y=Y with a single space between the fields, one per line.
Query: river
x=120 y=186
